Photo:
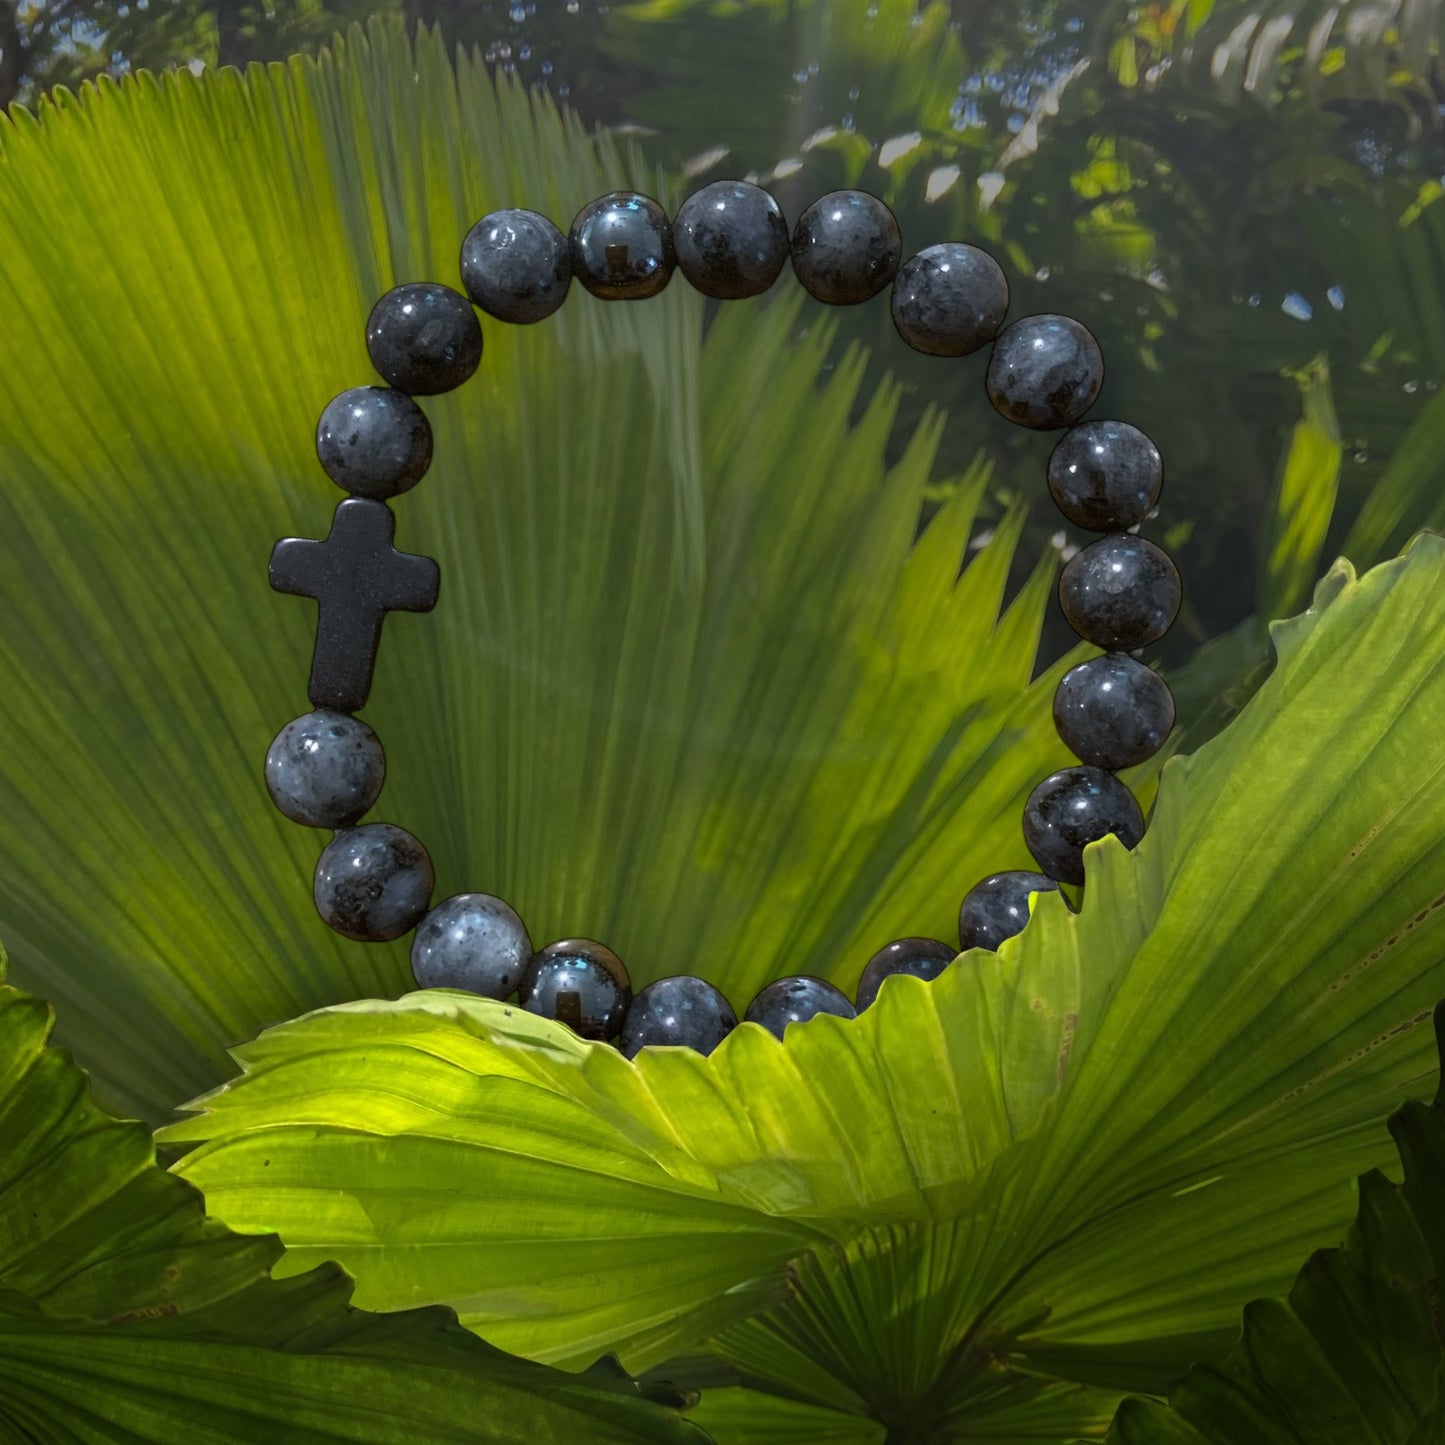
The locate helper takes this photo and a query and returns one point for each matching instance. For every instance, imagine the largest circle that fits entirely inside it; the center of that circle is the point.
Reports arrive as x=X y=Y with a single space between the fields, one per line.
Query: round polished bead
x=846 y=247
x=374 y=442
x=325 y=769
x=516 y=266
x=1073 y=808
x=372 y=883
x=622 y=247
x=579 y=983
x=683 y=1011
x=1121 y=592
x=1113 y=712
x=796 y=999
x=924 y=958
x=1045 y=372
x=1105 y=476
x=424 y=338
x=998 y=907
x=471 y=941
x=731 y=240
x=949 y=300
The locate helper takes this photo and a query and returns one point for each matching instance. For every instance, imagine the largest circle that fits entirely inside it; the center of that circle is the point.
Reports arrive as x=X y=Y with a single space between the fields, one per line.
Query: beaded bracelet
x=325 y=769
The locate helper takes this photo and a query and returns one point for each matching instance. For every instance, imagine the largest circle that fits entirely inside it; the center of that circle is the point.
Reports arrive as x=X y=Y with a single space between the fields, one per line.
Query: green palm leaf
x=992 y=1204
x=127 y=1315
x=1355 y=1354
x=681 y=624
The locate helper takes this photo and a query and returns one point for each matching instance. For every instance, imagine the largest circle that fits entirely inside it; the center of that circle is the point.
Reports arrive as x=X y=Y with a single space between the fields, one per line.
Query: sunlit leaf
x=1356 y=1354
x=682 y=625
x=126 y=1314
x=1074 y=1160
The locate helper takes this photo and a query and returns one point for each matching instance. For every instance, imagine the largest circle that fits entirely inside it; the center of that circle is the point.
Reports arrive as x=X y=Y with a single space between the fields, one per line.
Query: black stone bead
x=1113 y=712
x=516 y=266
x=1105 y=476
x=374 y=442
x=325 y=769
x=424 y=338
x=1045 y=372
x=1121 y=592
x=998 y=907
x=683 y=1011
x=731 y=240
x=1075 y=807
x=471 y=941
x=579 y=983
x=949 y=300
x=924 y=958
x=622 y=247
x=796 y=999
x=372 y=883
x=846 y=247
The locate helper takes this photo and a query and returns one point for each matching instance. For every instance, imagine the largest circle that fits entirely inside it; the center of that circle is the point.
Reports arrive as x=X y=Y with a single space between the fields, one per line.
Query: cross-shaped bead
x=356 y=577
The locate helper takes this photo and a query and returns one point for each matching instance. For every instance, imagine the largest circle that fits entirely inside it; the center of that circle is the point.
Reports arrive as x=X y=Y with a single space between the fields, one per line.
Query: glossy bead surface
x=997 y=907
x=1113 y=712
x=924 y=958
x=516 y=266
x=374 y=442
x=325 y=769
x=1105 y=476
x=580 y=983
x=1045 y=372
x=1121 y=592
x=731 y=240
x=372 y=882
x=683 y=1011
x=424 y=338
x=622 y=247
x=1073 y=808
x=796 y=999
x=846 y=247
x=949 y=300
x=471 y=941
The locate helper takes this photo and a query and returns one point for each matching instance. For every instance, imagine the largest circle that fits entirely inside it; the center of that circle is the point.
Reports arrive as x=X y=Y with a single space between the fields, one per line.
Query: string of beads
x=373 y=881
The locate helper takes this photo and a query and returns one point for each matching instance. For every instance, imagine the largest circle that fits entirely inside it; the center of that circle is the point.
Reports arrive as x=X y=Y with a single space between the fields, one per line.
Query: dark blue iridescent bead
x=1113 y=712
x=998 y=907
x=1073 y=808
x=949 y=300
x=424 y=338
x=1045 y=372
x=516 y=266
x=374 y=442
x=682 y=1011
x=796 y=999
x=372 y=883
x=1105 y=476
x=1121 y=592
x=622 y=247
x=924 y=958
x=325 y=769
x=846 y=247
x=731 y=240
x=471 y=941
x=580 y=983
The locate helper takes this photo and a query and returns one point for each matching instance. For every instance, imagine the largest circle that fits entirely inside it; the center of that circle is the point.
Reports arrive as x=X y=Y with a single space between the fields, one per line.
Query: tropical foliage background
x=743 y=664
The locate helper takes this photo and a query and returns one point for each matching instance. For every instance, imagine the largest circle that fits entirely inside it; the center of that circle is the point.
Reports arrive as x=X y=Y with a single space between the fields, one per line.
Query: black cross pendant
x=356 y=577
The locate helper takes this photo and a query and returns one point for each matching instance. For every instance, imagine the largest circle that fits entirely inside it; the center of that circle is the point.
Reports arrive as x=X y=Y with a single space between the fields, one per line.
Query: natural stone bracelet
x=325 y=769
